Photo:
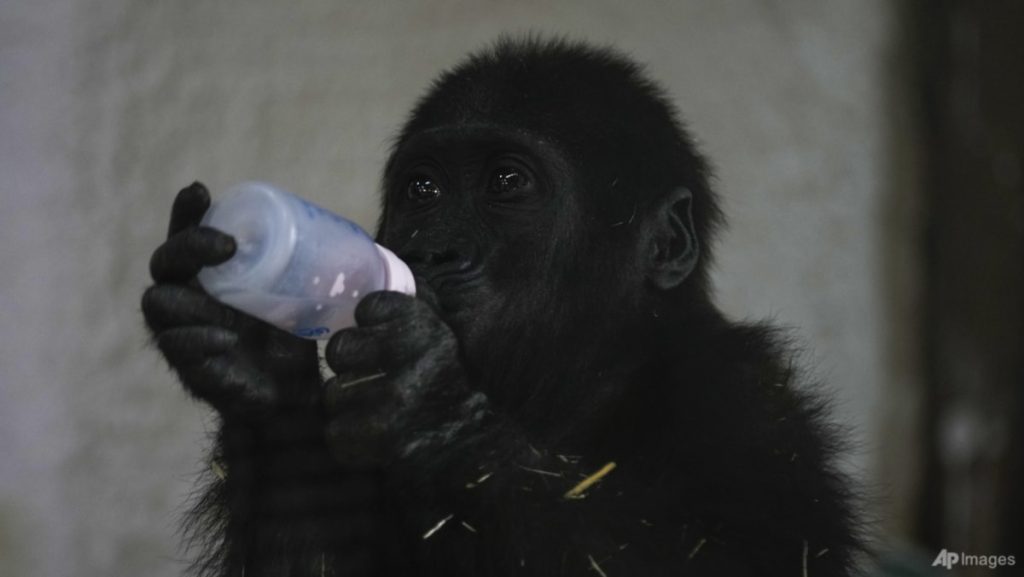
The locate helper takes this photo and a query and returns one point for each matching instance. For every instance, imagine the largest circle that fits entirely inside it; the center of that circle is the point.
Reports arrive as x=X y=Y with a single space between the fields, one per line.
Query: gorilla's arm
x=474 y=493
x=278 y=502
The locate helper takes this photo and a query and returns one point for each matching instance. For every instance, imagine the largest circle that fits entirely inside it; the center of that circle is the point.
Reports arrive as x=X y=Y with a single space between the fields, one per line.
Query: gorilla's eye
x=422 y=188
x=507 y=181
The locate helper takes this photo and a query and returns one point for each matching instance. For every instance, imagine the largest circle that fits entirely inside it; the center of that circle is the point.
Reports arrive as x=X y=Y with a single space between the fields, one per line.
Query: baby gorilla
x=562 y=398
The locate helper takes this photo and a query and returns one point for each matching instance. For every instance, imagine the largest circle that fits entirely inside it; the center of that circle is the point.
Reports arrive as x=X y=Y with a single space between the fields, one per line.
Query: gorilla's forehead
x=515 y=119
x=464 y=140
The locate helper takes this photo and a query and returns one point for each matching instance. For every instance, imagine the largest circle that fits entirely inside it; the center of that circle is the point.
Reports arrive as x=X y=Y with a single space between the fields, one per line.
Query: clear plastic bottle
x=297 y=266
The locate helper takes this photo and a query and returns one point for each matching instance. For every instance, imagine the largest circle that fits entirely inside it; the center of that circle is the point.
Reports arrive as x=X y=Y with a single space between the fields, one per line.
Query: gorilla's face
x=501 y=224
x=485 y=217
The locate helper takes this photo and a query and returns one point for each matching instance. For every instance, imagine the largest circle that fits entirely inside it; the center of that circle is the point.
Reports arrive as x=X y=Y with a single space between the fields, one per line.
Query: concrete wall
x=107 y=108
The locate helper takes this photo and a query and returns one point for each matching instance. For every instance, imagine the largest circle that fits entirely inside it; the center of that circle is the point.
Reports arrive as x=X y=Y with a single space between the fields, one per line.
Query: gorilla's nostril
x=429 y=257
x=450 y=261
x=444 y=257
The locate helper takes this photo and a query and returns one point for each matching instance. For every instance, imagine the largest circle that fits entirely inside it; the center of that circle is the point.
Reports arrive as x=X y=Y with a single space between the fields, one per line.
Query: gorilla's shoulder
x=753 y=435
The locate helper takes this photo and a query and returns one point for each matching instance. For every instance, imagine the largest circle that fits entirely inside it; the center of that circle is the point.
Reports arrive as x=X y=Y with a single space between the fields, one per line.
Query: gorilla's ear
x=674 y=247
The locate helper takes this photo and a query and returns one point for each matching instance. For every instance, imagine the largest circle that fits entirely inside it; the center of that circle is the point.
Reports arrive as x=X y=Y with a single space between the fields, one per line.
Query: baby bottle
x=297 y=265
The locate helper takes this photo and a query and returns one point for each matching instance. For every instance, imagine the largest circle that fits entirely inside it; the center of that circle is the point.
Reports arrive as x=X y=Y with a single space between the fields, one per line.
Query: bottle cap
x=263 y=225
x=399 y=277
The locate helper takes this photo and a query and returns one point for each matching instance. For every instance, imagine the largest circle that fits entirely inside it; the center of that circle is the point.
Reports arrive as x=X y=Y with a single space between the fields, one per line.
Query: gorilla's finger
x=189 y=207
x=426 y=293
x=355 y=392
x=357 y=349
x=383 y=306
x=180 y=258
x=192 y=344
x=229 y=384
x=168 y=306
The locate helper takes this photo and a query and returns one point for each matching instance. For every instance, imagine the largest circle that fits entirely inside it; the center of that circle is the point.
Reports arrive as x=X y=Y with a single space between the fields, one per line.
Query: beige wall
x=106 y=108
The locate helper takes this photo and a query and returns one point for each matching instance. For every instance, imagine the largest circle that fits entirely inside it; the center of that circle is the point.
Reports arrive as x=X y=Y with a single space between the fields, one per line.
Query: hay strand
x=581 y=487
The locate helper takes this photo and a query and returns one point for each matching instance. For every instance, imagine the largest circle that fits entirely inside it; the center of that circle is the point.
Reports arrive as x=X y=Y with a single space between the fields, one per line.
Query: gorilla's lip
x=456 y=293
x=453 y=281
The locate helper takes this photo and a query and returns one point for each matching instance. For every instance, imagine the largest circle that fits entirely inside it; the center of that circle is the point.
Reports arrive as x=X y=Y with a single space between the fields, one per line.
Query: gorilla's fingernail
x=224 y=339
x=226 y=245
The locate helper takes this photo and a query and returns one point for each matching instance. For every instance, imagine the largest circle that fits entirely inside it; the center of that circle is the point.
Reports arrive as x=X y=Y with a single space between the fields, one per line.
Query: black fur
x=564 y=324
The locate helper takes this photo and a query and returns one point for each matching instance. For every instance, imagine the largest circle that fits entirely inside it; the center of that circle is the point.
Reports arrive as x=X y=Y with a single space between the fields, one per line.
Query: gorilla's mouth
x=457 y=291
x=454 y=282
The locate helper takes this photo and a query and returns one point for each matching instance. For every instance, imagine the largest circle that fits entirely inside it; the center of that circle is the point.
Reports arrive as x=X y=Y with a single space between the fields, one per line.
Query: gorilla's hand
x=400 y=387
x=238 y=364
